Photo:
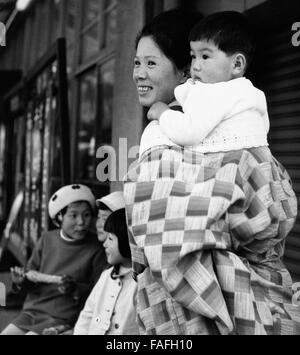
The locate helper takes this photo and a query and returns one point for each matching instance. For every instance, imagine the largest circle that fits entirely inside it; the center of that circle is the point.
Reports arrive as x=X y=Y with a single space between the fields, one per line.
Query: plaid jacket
x=207 y=235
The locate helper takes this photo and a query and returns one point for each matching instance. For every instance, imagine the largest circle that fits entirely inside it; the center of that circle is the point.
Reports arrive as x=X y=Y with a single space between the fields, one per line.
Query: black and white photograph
x=149 y=170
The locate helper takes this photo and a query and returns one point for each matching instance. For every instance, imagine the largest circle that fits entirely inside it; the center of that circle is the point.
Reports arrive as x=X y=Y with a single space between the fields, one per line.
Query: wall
x=127 y=113
x=170 y=4
x=209 y=6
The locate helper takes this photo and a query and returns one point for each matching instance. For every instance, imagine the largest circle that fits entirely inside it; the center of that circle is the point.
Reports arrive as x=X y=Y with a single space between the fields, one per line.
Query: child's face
x=209 y=63
x=101 y=219
x=113 y=254
x=77 y=220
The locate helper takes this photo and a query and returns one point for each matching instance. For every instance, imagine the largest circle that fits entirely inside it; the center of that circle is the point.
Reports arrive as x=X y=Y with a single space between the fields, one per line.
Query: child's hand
x=58 y=330
x=156 y=111
x=18 y=275
x=67 y=286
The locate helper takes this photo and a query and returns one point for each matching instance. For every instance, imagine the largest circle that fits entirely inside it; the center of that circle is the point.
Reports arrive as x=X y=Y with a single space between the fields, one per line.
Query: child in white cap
x=106 y=205
x=111 y=307
x=64 y=266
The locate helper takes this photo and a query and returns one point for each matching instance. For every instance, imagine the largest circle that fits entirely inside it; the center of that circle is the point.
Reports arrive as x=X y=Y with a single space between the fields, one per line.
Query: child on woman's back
x=222 y=110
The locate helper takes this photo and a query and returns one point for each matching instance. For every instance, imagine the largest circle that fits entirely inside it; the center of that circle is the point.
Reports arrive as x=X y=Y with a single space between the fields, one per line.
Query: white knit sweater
x=216 y=117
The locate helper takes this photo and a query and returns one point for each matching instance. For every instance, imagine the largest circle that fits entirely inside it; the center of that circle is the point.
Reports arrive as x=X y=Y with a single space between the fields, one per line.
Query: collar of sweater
x=70 y=240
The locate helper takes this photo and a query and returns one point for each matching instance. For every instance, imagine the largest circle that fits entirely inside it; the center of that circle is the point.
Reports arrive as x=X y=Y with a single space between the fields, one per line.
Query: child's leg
x=12 y=330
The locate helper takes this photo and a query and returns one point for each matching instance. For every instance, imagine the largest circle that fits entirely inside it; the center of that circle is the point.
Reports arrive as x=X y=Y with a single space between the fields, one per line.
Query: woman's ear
x=239 y=65
x=185 y=75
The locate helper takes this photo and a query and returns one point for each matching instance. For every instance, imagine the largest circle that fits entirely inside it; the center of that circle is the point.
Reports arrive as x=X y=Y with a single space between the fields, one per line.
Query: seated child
x=222 y=110
x=106 y=206
x=110 y=309
x=63 y=268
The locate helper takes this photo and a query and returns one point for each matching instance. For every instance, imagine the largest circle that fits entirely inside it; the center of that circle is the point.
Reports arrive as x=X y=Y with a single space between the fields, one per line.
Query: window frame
x=79 y=69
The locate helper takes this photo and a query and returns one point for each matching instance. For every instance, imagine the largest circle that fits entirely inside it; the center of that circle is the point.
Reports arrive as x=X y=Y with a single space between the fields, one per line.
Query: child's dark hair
x=230 y=31
x=170 y=31
x=117 y=225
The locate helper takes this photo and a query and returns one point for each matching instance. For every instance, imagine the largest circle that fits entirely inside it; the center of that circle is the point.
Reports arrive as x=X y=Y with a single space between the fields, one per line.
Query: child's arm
x=204 y=106
x=34 y=263
x=18 y=275
x=157 y=110
x=18 y=278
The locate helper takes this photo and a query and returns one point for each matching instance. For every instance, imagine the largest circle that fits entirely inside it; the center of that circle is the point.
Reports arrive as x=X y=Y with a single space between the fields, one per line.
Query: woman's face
x=154 y=74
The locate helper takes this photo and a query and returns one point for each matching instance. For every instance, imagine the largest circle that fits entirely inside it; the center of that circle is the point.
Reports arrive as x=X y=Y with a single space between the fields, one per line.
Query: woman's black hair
x=170 y=31
x=230 y=31
x=117 y=225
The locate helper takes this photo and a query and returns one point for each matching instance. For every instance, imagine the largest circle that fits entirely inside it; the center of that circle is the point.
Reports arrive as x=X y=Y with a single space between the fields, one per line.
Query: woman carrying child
x=207 y=227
